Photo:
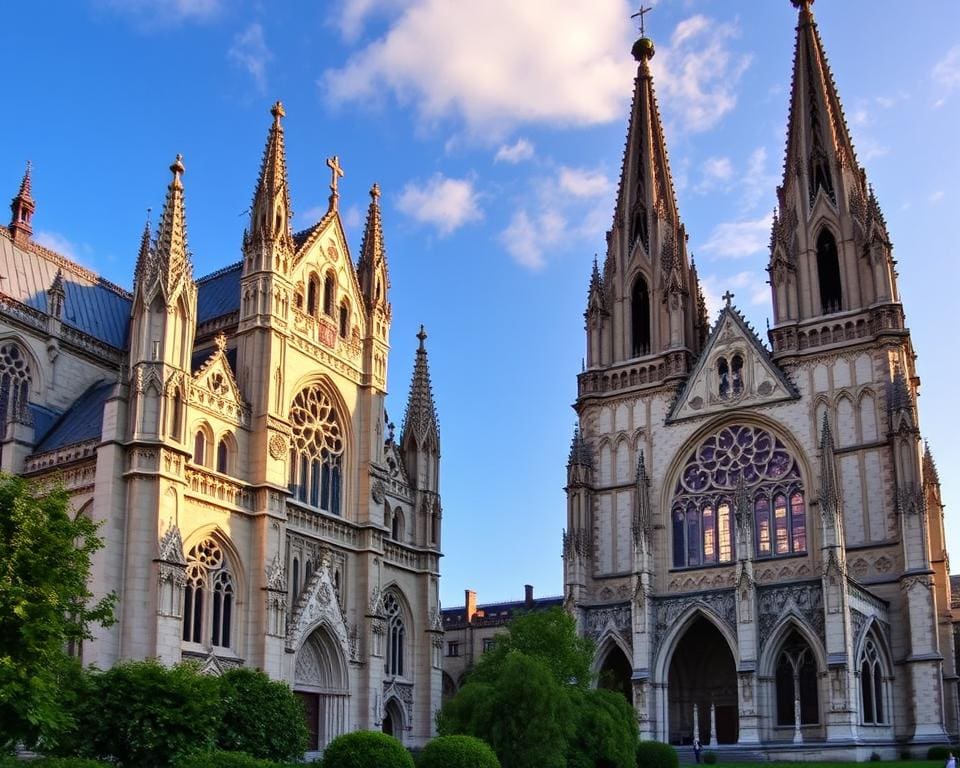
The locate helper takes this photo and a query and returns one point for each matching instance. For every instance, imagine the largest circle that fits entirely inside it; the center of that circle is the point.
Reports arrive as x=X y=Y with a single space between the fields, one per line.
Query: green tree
x=550 y=636
x=604 y=731
x=459 y=751
x=261 y=717
x=366 y=749
x=45 y=606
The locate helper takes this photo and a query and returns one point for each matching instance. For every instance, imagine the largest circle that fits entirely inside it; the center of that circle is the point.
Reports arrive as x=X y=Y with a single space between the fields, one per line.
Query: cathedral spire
x=930 y=473
x=595 y=299
x=23 y=207
x=420 y=423
x=580 y=454
x=270 y=212
x=374 y=279
x=829 y=485
x=144 y=255
x=172 y=259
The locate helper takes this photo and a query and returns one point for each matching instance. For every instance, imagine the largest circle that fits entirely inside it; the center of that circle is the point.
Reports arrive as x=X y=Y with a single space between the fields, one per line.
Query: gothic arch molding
x=772 y=646
x=610 y=640
x=233 y=554
x=671 y=640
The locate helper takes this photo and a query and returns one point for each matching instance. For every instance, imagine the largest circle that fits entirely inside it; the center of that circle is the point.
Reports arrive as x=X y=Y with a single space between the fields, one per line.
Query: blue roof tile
x=82 y=421
x=218 y=294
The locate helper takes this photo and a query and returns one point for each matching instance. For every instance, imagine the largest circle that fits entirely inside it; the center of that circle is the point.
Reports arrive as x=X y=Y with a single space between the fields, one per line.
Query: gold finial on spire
x=643 y=49
x=640 y=14
x=803 y=5
x=177 y=168
x=375 y=190
x=422 y=336
x=278 y=111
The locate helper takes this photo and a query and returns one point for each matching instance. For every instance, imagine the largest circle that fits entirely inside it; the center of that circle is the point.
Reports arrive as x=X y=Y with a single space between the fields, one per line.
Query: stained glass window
x=703 y=514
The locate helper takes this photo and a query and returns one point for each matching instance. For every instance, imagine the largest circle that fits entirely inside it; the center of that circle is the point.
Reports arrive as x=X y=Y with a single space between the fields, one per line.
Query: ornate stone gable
x=214 y=387
x=805 y=601
x=318 y=605
x=733 y=371
x=600 y=620
x=667 y=611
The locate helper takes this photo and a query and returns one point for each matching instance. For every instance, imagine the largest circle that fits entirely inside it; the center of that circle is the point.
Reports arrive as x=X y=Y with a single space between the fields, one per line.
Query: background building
x=229 y=435
x=755 y=536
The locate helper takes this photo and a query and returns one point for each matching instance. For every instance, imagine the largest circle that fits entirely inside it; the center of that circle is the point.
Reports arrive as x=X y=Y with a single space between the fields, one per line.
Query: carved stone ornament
x=278 y=446
x=616 y=618
x=667 y=611
x=803 y=600
x=170 y=547
x=377 y=492
x=318 y=604
x=275 y=578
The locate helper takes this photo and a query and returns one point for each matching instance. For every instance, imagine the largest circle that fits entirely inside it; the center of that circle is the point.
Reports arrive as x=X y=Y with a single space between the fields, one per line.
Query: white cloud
x=352 y=217
x=520 y=150
x=476 y=62
x=446 y=203
x=947 y=71
x=868 y=148
x=698 y=73
x=715 y=172
x=166 y=11
x=249 y=51
x=937 y=196
x=736 y=239
x=355 y=14
x=60 y=244
x=526 y=238
x=758 y=181
x=749 y=289
x=580 y=182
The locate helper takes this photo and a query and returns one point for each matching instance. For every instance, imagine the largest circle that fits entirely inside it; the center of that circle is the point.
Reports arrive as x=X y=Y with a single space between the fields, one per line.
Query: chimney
x=470 y=604
x=528 y=596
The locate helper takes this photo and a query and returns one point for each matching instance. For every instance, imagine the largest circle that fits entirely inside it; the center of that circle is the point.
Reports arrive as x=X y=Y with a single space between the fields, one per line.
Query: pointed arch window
x=313 y=295
x=296 y=578
x=796 y=681
x=640 y=309
x=828 y=273
x=209 y=597
x=200 y=448
x=14 y=383
x=396 y=632
x=317 y=452
x=223 y=457
x=702 y=510
x=344 y=319
x=872 y=694
x=329 y=289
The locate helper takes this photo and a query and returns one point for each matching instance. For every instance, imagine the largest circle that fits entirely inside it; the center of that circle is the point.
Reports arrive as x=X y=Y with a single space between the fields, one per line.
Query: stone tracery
x=316 y=453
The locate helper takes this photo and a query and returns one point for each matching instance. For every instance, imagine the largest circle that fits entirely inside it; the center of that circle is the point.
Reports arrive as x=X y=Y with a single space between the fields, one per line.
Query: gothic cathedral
x=229 y=434
x=755 y=534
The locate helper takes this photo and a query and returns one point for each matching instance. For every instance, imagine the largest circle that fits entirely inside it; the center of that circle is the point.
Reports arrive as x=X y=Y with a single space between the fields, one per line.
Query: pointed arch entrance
x=702 y=687
x=320 y=679
x=615 y=672
x=393 y=720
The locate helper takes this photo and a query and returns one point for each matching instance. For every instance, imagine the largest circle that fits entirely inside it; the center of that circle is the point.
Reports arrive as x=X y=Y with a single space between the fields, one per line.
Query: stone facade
x=755 y=535
x=229 y=435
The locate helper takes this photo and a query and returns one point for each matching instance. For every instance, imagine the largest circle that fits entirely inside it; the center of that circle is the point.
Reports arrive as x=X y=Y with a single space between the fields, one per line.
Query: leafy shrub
x=709 y=758
x=366 y=749
x=604 y=731
x=261 y=717
x=223 y=759
x=59 y=762
x=144 y=715
x=656 y=754
x=939 y=752
x=457 y=752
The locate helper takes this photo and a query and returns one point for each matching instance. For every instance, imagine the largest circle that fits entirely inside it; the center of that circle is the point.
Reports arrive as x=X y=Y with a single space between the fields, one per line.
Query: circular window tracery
x=316 y=451
x=315 y=424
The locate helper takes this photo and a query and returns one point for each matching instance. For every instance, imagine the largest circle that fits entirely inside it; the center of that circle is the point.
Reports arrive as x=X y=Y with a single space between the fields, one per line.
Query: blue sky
x=496 y=131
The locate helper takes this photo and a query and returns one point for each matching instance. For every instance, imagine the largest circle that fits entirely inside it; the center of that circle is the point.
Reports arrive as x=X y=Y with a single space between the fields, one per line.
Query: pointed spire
x=143 y=268
x=23 y=207
x=899 y=398
x=373 y=254
x=580 y=453
x=930 y=473
x=420 y=421
x=596 y=300
x=643 y=521
x=171 y=261
x=819 y=147
x=829 y=486
x=56 y=295
x=270 y=212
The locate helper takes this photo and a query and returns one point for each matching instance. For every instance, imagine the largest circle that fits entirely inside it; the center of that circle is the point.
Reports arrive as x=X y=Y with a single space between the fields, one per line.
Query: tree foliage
x=45 y=606
x=366 y=749
x=261 y=717
x=604 y=731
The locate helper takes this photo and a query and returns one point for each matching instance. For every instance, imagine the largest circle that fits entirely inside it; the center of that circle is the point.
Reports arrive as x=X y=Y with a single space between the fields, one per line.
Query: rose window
x=316 y=453
x=702 y=510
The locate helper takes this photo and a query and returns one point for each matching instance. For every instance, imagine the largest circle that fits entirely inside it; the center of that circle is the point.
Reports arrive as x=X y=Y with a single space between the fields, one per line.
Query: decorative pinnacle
x=177 y=168
x=278 y=111
x=728 y=297
x=422 y=336
x=803 y=5
x=375 y=191
x=25 y=183
x=643 y=49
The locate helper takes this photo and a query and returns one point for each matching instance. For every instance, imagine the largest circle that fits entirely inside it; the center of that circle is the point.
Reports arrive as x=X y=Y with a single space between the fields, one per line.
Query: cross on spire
x=336 y=173
x=640 y=14
x=727 y=297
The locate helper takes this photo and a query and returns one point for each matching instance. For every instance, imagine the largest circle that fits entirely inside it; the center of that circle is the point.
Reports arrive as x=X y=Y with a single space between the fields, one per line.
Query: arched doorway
x=702 y=687
x=616 y=672
x=320 y=679
x=393 y=720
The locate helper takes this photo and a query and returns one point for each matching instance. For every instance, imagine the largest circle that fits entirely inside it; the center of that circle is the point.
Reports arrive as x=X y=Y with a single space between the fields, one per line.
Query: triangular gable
x=394 y=462
x=215 y=378
x=757 y=381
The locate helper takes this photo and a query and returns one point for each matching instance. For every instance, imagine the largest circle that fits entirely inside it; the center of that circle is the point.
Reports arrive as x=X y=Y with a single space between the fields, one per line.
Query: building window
x=223 y=457
x=395 y=635
x=396 y=525
x=316 y=458
x=209 y=596
x=453 y=649
x=313 y=289
x=640 y=308
x=329 y=288
x=702 y=513
x=489 y=644
x=200 y=449
x=14 y=383
x=796 y=682
x=871 y=685
x=730 y=377
x=344 y=320
x=828 y=272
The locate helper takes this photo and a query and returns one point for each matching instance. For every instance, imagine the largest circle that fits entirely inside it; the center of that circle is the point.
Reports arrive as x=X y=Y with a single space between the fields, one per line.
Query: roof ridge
x=219 y=272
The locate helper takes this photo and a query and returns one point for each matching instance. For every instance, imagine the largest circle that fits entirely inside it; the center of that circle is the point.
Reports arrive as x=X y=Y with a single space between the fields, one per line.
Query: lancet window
x=640 y=304
x=396 y=632
x=796 y=681
x=828 y=272
x=316 y=455
x=329 y=289
x=872 y=709
x=14 y=382
x=209 y=596
x=702 y=513
x=730 y=375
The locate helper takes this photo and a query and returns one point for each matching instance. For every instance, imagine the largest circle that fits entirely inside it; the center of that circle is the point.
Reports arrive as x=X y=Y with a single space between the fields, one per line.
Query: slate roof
x=218 y=293
x=82 y=421
x=495 y=614
x=43 y=419
x=92 y=305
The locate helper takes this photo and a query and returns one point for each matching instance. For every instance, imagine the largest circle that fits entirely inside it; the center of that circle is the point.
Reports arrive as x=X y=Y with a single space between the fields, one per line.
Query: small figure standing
x=698 y=748
x=951 y=761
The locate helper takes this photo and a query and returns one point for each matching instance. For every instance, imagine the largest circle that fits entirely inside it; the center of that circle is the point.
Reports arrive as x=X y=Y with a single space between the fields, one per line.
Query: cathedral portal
x=702 y=687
